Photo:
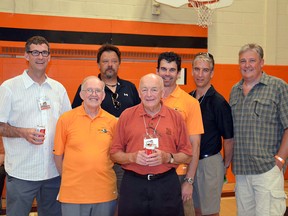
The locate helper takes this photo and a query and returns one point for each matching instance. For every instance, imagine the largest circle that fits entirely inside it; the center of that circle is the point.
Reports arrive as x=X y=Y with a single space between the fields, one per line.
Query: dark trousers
x=119 y=174
x=143 y=197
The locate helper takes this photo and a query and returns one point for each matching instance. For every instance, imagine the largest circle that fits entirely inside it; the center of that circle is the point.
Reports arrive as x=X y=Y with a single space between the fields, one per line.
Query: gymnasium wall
x=261 y=21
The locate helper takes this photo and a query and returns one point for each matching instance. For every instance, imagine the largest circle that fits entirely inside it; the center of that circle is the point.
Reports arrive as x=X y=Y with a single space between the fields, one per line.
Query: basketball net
x=204 y=13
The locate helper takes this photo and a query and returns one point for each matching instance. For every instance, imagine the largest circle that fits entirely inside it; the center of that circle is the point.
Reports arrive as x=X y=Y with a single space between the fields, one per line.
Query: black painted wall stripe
x=70 y=37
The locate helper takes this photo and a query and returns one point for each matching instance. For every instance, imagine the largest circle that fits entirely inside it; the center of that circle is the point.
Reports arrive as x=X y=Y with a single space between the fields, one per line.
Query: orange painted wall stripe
x=99 y=25
x=96 y=47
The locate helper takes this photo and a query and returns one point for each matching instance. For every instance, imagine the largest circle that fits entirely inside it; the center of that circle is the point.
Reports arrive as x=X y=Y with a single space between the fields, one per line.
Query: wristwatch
x=189 y=180
x=171 y=161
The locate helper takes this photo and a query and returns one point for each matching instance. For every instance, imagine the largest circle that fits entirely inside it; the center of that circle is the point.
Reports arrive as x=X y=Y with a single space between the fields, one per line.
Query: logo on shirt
x=177 y=109
x=168 y=131
x=104 y=130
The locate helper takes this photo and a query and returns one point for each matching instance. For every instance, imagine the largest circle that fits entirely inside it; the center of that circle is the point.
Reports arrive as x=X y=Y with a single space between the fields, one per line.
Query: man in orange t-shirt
x=82 y=142
x=169 y=67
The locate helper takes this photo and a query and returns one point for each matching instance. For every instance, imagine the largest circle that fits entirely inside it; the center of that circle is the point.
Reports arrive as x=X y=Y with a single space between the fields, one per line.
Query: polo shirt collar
x=211 y=91
x=119 y=81
x=162 y=111
x=176 y=93
x=81 y=111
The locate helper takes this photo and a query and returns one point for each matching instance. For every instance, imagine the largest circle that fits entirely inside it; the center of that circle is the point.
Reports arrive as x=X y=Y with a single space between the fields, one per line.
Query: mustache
x=110 y=68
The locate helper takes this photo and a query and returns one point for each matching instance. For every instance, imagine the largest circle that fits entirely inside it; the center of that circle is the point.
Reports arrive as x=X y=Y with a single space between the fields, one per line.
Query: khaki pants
x=261 y=194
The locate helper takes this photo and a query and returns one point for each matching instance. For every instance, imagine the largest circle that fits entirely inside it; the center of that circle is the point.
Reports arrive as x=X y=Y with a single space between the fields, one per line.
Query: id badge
x=44 y=103
x=150 y=144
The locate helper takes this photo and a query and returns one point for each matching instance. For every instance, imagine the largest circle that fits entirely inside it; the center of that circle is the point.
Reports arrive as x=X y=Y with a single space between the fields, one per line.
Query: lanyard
x=155 y=126
x=202 y=98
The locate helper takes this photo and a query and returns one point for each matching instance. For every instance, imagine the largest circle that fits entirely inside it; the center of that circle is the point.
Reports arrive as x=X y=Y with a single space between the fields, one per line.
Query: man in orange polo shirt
x=82 y=143
x=150 y=141
x=169 y=67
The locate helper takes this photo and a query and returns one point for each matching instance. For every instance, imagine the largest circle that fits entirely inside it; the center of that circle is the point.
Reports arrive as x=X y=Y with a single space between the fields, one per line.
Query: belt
x=206 y=155
x=150 y=177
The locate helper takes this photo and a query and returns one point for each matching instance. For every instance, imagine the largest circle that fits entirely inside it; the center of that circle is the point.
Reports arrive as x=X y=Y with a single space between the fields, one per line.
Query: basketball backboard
x=173 y=3
x=179 y=3
x=204 y=8
x=220 y=4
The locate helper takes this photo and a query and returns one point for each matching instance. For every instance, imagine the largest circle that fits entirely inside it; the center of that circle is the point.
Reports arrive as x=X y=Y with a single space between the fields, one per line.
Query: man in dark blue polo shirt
x=120 y=94
x=217 y=121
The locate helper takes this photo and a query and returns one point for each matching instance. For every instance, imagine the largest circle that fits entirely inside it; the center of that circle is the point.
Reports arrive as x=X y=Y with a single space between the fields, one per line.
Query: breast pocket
x=233 y=104
x=265 y=110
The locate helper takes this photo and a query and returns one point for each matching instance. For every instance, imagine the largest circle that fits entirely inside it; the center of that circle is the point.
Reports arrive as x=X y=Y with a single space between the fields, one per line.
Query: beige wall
x=261 y=21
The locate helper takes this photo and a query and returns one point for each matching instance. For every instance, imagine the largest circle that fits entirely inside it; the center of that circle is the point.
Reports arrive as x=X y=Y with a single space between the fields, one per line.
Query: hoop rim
x=203 y=2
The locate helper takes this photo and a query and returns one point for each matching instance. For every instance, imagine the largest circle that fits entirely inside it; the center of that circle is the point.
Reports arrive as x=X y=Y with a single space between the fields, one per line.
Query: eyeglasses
x=44 y=53
x=205 y=54
x=116 y=103
x=90 y=91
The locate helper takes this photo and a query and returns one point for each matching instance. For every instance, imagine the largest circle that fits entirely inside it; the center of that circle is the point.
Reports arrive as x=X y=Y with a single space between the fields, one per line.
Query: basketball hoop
x=205 y=10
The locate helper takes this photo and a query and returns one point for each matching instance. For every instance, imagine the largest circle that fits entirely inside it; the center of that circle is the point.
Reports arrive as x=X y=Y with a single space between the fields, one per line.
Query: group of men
x=160 y=156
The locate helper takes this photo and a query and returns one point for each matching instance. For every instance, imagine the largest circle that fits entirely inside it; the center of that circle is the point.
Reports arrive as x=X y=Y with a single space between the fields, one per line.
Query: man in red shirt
x=150 y=141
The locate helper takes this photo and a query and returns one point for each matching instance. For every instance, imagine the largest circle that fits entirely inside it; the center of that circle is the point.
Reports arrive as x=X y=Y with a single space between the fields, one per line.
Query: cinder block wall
x=261 y=21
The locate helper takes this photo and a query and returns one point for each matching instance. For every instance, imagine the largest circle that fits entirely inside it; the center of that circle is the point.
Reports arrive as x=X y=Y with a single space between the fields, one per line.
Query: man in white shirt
x=28 y=102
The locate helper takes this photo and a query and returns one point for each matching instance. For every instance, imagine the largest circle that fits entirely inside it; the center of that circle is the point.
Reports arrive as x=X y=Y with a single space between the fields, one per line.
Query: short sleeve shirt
x=189 y=109
x=19 y=107
x=260 y=119
x=168 y=126
x=87 y=174
x=217 y=121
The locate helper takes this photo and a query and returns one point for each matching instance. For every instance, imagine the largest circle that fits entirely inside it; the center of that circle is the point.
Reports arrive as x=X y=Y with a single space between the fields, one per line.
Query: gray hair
x=91 y=77
x=207 y=57
x=254 y=47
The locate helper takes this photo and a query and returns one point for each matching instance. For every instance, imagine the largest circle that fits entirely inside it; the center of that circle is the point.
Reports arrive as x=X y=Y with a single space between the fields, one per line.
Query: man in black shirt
x=120 y=94
x=217 y=121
